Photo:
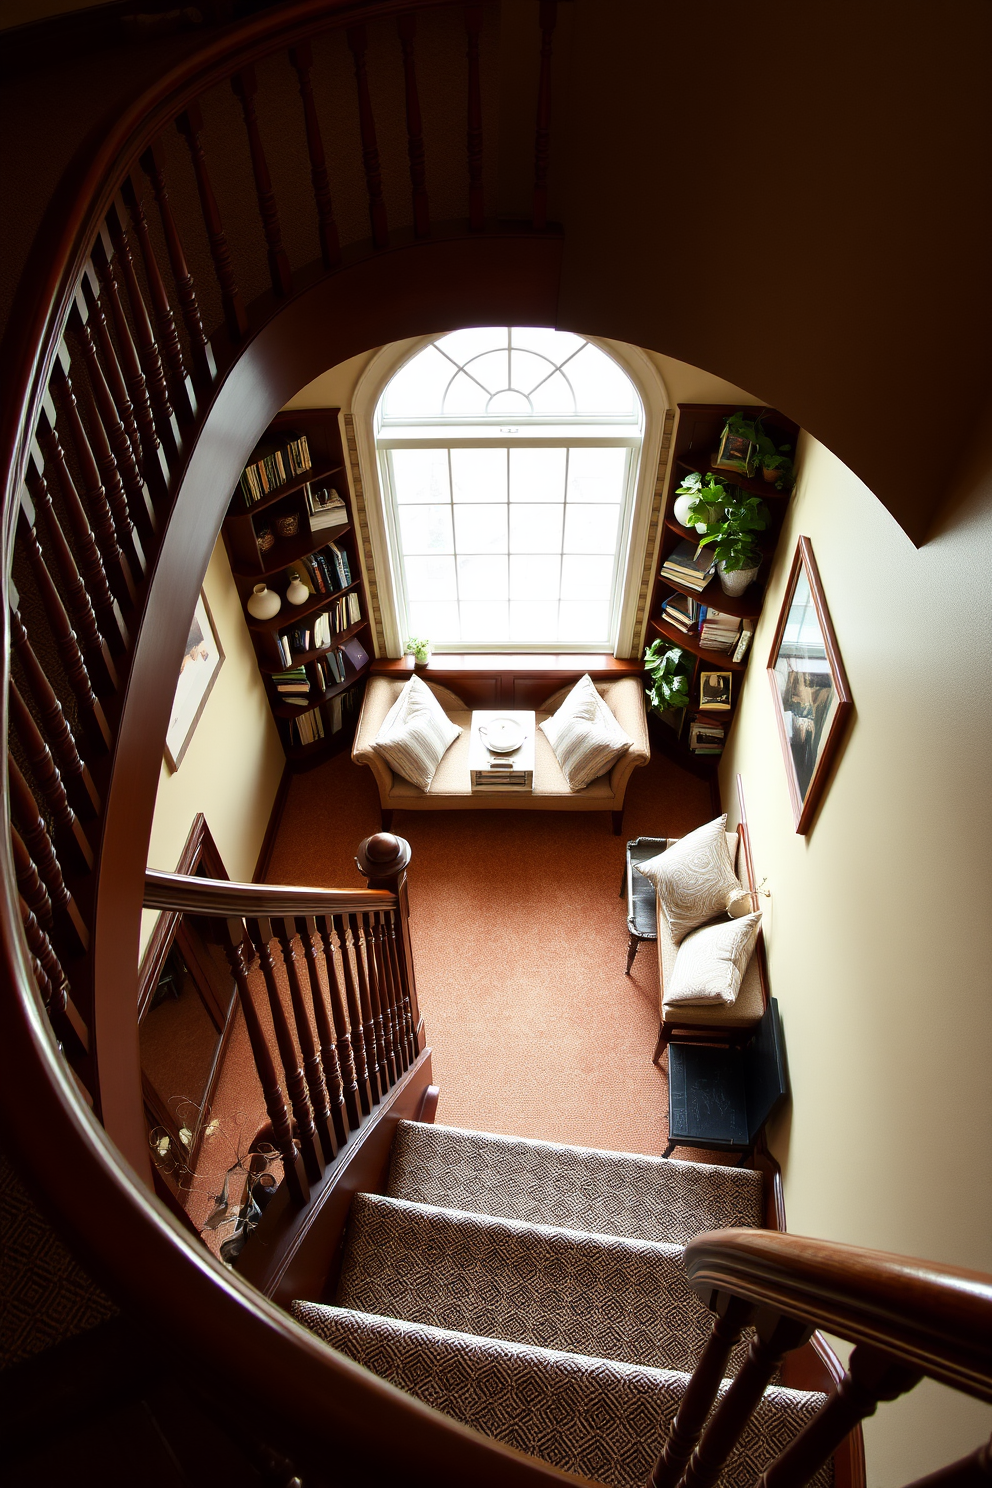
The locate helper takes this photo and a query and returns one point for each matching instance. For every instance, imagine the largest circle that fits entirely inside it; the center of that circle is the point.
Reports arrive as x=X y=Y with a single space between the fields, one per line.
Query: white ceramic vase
x=297 y=593
x=737 y=580
x=680 y=511
x=264 y=603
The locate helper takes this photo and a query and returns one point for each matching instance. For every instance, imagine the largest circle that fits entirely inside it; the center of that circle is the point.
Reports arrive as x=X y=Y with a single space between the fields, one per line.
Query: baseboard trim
x=273 y=825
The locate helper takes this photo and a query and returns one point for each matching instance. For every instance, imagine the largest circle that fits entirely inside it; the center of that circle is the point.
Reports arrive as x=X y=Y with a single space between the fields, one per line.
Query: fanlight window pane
x=600 y=386
x=420 y=475
x=553 y=396
x=492 y=370
x=537 y=474
x=556 y=345
x=508 y=403
x=461 y=345
x=478 y=474
x=417 y=390
x=527 y=370
x=465 y=397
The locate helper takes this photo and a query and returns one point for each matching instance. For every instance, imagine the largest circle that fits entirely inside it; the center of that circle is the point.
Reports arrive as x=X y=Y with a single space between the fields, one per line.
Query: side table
x=642 y=921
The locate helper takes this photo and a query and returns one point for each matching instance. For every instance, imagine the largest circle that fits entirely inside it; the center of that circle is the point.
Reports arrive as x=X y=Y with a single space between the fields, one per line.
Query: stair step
x=579 y=1188
x=594 y=1417
x=604 y=1295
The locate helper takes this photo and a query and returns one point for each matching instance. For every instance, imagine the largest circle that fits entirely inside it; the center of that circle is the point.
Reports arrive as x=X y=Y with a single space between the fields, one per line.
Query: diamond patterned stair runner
x=595 y=1417
x=607 y=1193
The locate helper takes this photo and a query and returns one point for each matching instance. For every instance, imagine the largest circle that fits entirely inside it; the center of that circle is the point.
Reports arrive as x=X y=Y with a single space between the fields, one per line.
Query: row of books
x=327 y=571
x=295 y=684
x=689 y=565
x=308 y=728
x=716 y=631
x=319 y=630
x=326 y=508
x=706 y=737
x=272 y=464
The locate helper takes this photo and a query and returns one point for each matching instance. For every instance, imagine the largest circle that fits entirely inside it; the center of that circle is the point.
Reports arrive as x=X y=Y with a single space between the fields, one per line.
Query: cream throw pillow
x=712 y=961
x=585 y=736
x=695 y=878
x=415 y=734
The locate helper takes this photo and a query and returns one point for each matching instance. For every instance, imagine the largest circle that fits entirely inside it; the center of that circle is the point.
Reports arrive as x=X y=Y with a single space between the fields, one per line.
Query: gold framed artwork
x=202 y=660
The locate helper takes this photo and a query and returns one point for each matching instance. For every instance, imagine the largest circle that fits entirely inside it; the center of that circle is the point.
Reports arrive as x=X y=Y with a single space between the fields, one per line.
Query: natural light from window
x=508 y=458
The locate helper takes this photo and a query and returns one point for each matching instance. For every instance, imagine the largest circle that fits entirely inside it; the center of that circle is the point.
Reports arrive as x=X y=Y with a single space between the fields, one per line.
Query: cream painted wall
x=234 y=763
x=877 y=928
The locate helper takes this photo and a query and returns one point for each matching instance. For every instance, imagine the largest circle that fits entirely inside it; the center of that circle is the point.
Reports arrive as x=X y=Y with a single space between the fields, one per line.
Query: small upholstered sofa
x=451 y=788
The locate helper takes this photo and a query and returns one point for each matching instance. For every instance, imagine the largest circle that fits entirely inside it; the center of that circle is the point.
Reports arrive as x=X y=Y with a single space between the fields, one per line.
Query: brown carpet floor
x=519 y=943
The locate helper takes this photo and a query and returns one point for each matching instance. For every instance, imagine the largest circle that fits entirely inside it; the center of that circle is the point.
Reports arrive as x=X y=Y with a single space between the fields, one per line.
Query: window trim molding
x=653 y=393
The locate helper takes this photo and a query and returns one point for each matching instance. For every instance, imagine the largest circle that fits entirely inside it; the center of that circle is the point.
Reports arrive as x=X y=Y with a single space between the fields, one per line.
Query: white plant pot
x=264 y=603
x=297 y=593
x=737 y=580
x=680 y=511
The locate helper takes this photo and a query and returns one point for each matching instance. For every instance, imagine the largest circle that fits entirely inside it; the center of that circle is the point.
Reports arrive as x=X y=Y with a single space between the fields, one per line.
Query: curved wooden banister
x=219 y=897
x=936 y=1317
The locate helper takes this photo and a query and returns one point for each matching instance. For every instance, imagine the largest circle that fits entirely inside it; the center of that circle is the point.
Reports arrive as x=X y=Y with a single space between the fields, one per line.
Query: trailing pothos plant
x=735 y=530
x=669 y=670
x=770 y=457
x=708 y=494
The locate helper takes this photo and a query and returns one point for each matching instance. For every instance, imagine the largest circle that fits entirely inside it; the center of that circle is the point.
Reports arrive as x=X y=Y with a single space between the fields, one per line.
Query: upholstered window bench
x=451 y=787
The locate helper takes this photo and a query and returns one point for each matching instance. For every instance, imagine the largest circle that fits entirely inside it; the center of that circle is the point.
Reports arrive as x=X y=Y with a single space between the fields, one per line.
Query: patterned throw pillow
x=415 y=734
x=695 y=878
x=712 y=961
x=585 y=736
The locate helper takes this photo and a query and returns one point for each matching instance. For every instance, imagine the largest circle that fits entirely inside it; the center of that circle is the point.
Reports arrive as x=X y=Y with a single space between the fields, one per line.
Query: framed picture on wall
x=202 y=660
x=809 y=687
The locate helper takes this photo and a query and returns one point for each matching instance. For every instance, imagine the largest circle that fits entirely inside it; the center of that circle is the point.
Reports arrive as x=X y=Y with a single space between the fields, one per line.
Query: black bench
x=721 y=1098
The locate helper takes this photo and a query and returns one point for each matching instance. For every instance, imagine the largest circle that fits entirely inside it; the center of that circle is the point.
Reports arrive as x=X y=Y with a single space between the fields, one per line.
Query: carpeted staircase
x=537 y=1294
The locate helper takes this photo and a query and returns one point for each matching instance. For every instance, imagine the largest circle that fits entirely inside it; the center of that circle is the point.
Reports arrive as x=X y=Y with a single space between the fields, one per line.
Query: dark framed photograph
x=809 y=685
x=714 y=690
x=202 y=660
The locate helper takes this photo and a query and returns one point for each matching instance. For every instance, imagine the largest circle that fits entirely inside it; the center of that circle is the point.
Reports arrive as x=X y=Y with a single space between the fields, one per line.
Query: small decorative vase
x=680 y=511
x=264 y=603
x=297 y=593
x=737 y=580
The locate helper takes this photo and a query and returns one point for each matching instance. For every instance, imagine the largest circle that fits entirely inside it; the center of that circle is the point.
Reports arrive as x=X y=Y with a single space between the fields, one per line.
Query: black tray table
x=642 y=921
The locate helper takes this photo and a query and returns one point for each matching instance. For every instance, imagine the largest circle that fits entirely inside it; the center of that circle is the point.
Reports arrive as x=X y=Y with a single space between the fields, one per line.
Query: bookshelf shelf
x=335 y=708
x=697 y=435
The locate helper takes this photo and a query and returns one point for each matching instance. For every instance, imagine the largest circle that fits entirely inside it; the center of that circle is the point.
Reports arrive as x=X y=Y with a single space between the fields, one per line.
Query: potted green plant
x=669 y=670
x=777 y=468
x=699 y=500
x=734 y=534
x=420 y=651
x=742 y=444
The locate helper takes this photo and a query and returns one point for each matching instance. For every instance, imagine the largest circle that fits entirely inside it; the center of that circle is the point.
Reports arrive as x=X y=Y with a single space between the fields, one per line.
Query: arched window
x=508 y=458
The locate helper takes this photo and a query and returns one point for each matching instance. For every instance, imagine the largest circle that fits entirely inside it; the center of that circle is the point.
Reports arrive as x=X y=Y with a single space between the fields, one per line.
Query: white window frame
x=639 y=496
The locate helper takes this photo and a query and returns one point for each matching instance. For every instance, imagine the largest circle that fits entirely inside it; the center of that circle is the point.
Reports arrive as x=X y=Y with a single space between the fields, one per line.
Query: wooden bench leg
x=632 y=944
x=669 y=1150
x=661 y=1045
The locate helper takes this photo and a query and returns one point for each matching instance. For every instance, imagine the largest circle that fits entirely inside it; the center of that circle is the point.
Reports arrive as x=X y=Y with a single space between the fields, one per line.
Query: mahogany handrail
x=935 y=1317
x=219 y=897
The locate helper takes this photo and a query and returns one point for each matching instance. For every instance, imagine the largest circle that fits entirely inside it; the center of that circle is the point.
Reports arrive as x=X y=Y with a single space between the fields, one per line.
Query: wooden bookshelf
x=697 y=435
x=338 y=701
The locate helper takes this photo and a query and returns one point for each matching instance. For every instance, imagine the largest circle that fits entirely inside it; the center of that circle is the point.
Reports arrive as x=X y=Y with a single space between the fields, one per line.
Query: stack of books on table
x=688 y=566
x=272 y=464
x=308 y=728
x=706 y=737
x=680 y=612
x=326 y=508
x=718 y=632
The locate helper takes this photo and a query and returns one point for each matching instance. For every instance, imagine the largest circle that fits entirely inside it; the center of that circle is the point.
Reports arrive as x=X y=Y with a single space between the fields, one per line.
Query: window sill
x=467 y=663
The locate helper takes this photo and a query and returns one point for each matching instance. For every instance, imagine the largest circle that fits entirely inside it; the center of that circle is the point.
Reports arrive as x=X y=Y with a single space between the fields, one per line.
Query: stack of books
x=718 y=632
x=293 y=686
x=272 y=464
x=706 y=737
x=308 y=728
x=681 y=612
x=688 y=566
x=326 y=509
x=743 y=640
x=325 y=572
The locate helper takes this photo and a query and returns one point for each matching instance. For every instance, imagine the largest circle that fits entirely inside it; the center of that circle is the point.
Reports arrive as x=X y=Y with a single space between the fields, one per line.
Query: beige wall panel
x=877 y=928
x=232 y=768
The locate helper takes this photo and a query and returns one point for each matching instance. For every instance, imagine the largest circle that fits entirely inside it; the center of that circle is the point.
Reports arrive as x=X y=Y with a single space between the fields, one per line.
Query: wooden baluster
x=379 y=993
x=542 y=145
x=402 y=1000
x=37 y=501
x=168 y=337
x=296 y=1085
x=72 y=838
x=41 y=949
x=32 y=890
x=872 y=1376
x=733 y=1316
x=358 y=45
x=313 y=1070
x=476 y=200
x=113 y=371
x=94 y=574
x=384 y=859
x=775 y=1337
x=354 y=1017
x=91 y=713
x=32 y=934
x=394 y=1018
x=190 y=126
x=313 y=950
x=39 y=845
x=201 y=354
x=59 y=733
x=346 y=1053
x=148 y=352
x=370 y=1034
x=301 y=57
x=406 y=25
x=116 y=563
x=400 y=1026
x=106 y=462
x=275 y=1105
x=245 y=85
x=154 y=465
x=126 y=489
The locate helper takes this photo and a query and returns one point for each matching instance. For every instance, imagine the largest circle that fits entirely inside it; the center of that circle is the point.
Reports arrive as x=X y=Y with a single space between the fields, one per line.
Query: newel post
x=383 y=860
